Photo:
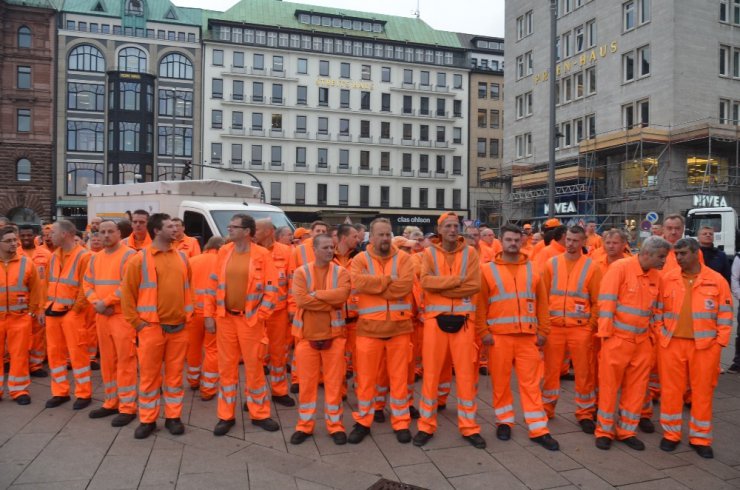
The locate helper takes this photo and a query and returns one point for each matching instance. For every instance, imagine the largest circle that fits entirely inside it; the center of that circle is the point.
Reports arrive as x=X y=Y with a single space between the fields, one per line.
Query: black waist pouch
x=321 y=344
x=172 y=328
x=52 y=313
x=451 y=323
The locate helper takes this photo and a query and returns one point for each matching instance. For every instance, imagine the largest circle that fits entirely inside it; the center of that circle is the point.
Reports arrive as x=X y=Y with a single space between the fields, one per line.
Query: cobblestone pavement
x=62 y=448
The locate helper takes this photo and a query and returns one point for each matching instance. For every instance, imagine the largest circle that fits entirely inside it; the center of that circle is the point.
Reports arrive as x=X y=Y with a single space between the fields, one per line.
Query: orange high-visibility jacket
x=514 y=298
x=189 y=246
x=202 y=266
x=280 y=254
x=146 y=305
x=302 y=255
x=329 y=300
x=536 y=249
x=350 y=307
x=130 y=241
x=550 y=251
x=102 y=281
x=260 y=298
x=450 y=280
x=21 y=290
x=573 y=295
x=629 y=300
x=711 y=307
x=489 y=252
x=672 y=264
x=41 y=257
x=384 y=285
x=64 y=290
x=594 y=242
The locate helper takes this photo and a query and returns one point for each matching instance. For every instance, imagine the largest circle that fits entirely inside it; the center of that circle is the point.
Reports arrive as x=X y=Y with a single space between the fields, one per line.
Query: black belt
x=52 y=313
x=235 y=312
x=350 y=320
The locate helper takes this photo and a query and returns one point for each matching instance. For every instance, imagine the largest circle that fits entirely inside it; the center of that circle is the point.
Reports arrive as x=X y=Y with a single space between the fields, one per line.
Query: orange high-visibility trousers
x=91 y=332
x=578 y=342
x=202 y=357
x=445 y=380
x=596 y=342
x=418 y=340
x=278 y=332
x=234 y=338
x=349 y=345
x=37 y=350
x=312 y=362
x=623 y=365
x=674 y=360
x=155 y=348
x=64 y=337
x=371 y=353
x=461 y=347
x=520 y=352
x=653 y=388
x=15 y=329
x=117 y=362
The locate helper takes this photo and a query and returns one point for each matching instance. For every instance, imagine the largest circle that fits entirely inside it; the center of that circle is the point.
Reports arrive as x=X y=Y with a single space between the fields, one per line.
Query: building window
x=24 y=37
x=524 y=65
x=457 y=136
x=323 y=127
x=300 y=193
x=706 y=172
x=482 y=90
x=579 y=37
x=424 y=79
x=365 y=101
x=236 y=154
x=629 y=15
x=423 y=164
x=407 y=109
x=134 y=7
x=523 y=144
x=323 y=157
x=385 y=196
x=456 y=165
x=493 y=148
x=175 y=103
x=86 y=58
x=302 y=66
x=80 y=174
x=176 y=141
x=323 y=96
x=591 y=34
x=257 y=120
x=385 y=103
x=494 y=119
x=23 y=77
x=216 y=153
x=177 y=66
x=217 y=119
x=423 y=198
x=276 y=155
x=344 y=127
x=366 y=72
x=237 y=120
x=364 y=196
x=524 y=25
x=724 y=61
x=344 y=99
x=258 y=92
x=628 y=66
x=300 y=156
x=364 y=129
x=364 y=160
x=495 y=91
x=441 y=134
x=217 y=88
x=344 y=159
x=640 y=173
x=323 y=68
x=300 y=124
x=456 y=199
x=643 y=112
x=321 y=194
x=424 y=106
x=385 y=74
x=277 y=93
x=385 y=161
x=85 y=136
x=457 y=81
x=481 y=147
x=85 y=96
x=132 y=60
x=524 y=105
x=591 y=80
x=643 y=58
x=275 y=188
x=302 y=95
x=440 y=199
x=406 y=163
x=23 y=170
x=406 y=197
x=457 y=108
x=256 y=155
x=440 y=164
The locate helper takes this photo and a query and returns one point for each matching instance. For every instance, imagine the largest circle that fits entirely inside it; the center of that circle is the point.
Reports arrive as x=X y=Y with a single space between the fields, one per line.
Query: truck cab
x=206 y=219
x=723 y=220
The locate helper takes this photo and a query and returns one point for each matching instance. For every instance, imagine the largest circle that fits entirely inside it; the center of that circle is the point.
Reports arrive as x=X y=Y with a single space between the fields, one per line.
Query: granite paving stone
x=424 y=475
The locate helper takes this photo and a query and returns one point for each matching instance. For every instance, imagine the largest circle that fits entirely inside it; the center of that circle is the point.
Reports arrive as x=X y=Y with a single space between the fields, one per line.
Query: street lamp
x=552 y=132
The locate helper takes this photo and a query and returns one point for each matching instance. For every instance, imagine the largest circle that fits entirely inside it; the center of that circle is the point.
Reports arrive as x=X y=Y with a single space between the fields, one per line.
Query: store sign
x=414 y=220
x=348 y=84
x=568 y=207
x=705 y=201
x=577 y=62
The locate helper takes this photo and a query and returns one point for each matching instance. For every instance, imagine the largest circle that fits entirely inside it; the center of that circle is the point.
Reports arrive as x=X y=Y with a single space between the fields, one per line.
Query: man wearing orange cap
x=527 y=245
x=549 y=225
x=450 y=279
x=555 y=239
x=593 y=240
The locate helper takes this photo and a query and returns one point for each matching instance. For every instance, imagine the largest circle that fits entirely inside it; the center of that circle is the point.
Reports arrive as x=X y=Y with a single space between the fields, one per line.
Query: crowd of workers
x=325 y=307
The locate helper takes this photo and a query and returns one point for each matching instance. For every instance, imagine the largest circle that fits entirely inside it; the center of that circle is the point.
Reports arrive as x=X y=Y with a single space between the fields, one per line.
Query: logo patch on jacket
x=709 y=304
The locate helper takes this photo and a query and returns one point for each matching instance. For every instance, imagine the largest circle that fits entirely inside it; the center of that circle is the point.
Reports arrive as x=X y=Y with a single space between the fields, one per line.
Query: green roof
x=156 y=10
x=42 y=4
x=277 y=13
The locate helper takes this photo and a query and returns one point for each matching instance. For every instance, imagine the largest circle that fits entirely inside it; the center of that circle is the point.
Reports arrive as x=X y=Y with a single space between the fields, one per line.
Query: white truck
x=205 y=206
x=724 y=221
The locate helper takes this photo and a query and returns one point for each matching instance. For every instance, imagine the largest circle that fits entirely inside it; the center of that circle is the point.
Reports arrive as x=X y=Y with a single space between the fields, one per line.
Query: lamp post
x=552 y=132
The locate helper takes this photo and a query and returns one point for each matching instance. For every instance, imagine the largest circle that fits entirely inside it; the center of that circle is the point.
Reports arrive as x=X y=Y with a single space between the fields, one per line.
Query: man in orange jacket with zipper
x=513 y=322
x=21 y=298
x=383 y=278
x=65 y=317
x=186 y=244
x=450 y=279
x=320 y=290
x=243 y=293
x=139 y=238
x=629 y=303
x=156 y=298
x=573 y=282
x=202 y=357
x=556 y=246
x=696 y=325
x=116 y=338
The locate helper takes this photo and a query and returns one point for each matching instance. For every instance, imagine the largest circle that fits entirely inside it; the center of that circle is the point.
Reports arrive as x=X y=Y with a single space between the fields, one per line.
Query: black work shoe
x=421 y=438
x=195 y=387
x=403 y=436
x=223 y=427
x=668 y=445
x=568 y=377
x=339 y=438
x=55 y=401
x=546 y=441
x=379 y=417
x=734 y=369
x=634 y=443
x=246 y=407
x=358 y=434
x=144 y=430
x=441 y=407
x=414 y=412
x=40 y=373
x=587 y=426
x=298 y=437
x=81 y=403
x=175 y=426
x=604 y=443
x=284 y=400
x=294 y=389
x=267 y=424
x=703 y=451
x=503 y=432
x=476 y=441
x=122 y=419
x=94 y=366
x=23 y=400
x=646 y=425
x=348 y=375
x=483 y=371
x=101 y=412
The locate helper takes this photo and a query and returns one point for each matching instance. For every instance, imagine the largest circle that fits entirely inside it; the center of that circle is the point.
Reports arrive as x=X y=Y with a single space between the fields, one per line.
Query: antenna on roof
x=417 y=12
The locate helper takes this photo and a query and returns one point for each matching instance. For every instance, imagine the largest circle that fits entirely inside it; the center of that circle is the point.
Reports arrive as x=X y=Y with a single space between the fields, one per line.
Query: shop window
x=640 y=173
x=703 y=171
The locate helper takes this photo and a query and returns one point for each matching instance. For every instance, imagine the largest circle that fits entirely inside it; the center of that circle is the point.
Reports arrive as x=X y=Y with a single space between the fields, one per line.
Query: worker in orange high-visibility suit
x=450 y=279
x=344 y=252
x=573 y=282
x=40 y=257
x=593 y=240
x=202 y=356
x=513 y=321
x=156 y=298
x=383 y=277
x=243 y=294
x=696 y=325
x=65 y=317
x=320 y=290
x=629 y=303
x=548 y=225
x=102 y=285
x=277 y=325
x=186 y=244
x=556 y=246
x=139 y=238
x=527 y=245
x=21 y=297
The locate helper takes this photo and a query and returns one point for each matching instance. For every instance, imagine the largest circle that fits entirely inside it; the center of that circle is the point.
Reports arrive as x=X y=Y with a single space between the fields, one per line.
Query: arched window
x=132 y=60
x=24 y=37
x=86 y=58
x=23 y=170
x=175 y=65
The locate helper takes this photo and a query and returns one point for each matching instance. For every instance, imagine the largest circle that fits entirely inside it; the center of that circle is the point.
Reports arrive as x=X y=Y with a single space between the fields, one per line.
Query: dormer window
x=134 y=7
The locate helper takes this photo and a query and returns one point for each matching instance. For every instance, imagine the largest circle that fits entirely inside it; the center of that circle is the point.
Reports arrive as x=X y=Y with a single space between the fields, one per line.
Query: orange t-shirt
x=237 y=278
x=685 y=325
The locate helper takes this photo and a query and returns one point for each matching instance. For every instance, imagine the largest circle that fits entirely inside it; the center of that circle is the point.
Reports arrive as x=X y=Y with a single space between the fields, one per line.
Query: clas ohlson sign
x=588 y=57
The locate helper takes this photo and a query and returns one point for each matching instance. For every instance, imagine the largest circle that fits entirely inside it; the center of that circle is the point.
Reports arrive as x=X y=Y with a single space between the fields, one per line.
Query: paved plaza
x=62 y=448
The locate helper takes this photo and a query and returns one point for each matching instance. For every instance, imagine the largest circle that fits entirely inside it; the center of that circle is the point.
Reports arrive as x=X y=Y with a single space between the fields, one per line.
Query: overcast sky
x=485 y=17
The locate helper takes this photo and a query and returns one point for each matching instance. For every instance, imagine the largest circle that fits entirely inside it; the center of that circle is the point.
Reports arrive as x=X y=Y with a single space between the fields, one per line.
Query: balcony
x=301 y=167
x=385 y=171
x=323 y=136
x=277 y=73
x=237 y=131
x=441 y=88
x=441 y=144
x=425 y=143
x=344 y=137
x=407 y=173
x=408 y=85
x=386 y=141
x=277 y=100
x=323 y=169
x=408 y=142
x=236 y=162
x=276 y=133
x=425 y=174
x=277 y=166
x=302 y=135
x=344 y=170
x=256 y=132
x=365 y=139
x=365 y=171
x=237 y=69
x=256 y=164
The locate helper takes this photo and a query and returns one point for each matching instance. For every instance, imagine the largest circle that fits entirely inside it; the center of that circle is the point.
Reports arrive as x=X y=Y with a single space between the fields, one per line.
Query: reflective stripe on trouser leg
x=310 y=361
x=501 y=359
x=37 y=352
x=397 y=359
x=435 y=349
x=333 y=367
x=527 y=363
x=107 y=361
x=194 y=358
x=151 y=356
x=652 y=391
x=445 y=379
x=554 y=353
x=209 y=373
x=672 y=361
x=176 y=348
x=633 y=386
x=91 y=332
x=369 y=354
x=16 y=332
x=580 y=346
x=277 y=334
x=382 y=383
x=703 y=376
x=464 y=356
x=124 y=342
x=57 y=354
x=73 y=327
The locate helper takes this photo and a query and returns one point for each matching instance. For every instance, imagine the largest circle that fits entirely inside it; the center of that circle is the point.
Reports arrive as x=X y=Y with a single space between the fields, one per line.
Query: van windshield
x=694 y=222
x=222 y=219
